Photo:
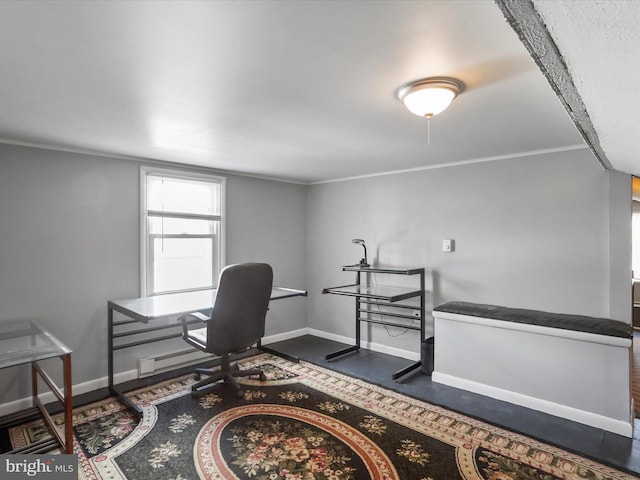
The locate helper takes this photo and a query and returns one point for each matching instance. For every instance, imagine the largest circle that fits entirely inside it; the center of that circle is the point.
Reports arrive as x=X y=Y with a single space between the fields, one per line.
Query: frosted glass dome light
x=429 y=96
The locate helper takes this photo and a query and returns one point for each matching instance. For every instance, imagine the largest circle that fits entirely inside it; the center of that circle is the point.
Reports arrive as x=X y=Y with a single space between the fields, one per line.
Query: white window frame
x=145 y=266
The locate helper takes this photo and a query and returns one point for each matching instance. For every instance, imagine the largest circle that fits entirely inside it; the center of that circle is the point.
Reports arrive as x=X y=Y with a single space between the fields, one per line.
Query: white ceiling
x=302 y=91
x=599 y=41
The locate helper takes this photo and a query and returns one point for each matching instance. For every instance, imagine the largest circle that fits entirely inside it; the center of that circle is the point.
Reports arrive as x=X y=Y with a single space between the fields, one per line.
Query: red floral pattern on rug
x=304 y=423
x=269 y=442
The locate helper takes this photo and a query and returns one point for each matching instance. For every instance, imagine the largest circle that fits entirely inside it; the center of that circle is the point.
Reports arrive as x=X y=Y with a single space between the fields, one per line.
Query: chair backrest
x=240 y=307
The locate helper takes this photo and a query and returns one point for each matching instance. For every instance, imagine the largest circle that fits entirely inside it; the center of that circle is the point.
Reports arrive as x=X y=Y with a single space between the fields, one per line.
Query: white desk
x=147 y=309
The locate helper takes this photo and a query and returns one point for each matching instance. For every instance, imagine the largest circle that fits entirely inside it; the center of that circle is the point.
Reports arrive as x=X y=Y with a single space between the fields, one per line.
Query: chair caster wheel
x=263 y=377
x=239 y=394
x=197 y=376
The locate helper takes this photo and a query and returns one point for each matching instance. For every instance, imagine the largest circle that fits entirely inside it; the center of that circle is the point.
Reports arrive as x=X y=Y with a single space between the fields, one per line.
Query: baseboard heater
x=155 y=364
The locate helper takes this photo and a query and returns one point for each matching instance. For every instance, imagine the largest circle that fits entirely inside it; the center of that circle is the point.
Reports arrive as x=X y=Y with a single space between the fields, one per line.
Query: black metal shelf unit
x=374 y=301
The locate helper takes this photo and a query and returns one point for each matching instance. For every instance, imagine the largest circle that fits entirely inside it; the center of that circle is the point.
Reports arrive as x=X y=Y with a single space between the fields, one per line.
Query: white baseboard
x=96 y=384
x=375 y=347
x=620 y=427
x=613 y=425
x=78 y=389
x=280 y=337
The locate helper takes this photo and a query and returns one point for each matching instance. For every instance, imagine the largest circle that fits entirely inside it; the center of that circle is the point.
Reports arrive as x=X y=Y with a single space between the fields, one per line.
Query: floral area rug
x=304 y=423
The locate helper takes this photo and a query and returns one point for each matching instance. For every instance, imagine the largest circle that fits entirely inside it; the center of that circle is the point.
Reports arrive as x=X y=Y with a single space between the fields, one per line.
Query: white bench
x=571 y=366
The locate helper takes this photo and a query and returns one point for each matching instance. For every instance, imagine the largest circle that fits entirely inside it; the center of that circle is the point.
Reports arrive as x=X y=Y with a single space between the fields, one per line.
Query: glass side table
x=25 y=341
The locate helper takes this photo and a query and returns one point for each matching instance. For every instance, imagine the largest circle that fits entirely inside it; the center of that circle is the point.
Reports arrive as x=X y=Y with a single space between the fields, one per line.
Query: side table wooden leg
x=34 y=384
x=68 y=405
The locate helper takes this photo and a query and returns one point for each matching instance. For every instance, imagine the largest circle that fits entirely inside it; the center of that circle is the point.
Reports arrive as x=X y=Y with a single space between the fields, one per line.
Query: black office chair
x=236 y=323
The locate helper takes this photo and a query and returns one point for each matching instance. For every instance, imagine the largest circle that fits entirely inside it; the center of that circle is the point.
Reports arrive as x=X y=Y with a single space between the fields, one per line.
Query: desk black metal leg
x=356 y=347
x=122 y=398
x=404 y=371
x=110 y=345
x=352 y=348
x=339 y=353
x=286 y=356
x=358 y=319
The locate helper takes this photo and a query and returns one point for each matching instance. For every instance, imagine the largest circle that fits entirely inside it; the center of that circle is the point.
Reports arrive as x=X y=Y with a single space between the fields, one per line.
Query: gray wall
x=549 y=232
x=266 y=222
x=69 y=241
x=620 y=246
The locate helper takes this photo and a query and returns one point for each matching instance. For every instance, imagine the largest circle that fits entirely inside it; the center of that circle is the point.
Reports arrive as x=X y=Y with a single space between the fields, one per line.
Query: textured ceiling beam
x=533 y=33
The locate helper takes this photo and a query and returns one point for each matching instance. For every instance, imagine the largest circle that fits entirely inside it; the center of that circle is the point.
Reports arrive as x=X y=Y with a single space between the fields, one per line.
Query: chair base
x=228 y=373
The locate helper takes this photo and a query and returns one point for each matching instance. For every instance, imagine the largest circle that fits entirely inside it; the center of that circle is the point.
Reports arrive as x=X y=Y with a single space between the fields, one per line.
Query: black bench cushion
x=580 y=323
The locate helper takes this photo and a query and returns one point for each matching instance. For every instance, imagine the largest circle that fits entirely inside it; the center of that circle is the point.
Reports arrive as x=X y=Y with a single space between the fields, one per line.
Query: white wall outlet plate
x=447 y=245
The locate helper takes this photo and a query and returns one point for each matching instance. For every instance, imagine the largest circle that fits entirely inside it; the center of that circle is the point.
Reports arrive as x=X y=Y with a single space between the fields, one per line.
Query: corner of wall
x=619 y=216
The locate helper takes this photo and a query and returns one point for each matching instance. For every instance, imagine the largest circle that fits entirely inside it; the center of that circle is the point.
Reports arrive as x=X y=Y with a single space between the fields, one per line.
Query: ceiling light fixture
x=429 y=96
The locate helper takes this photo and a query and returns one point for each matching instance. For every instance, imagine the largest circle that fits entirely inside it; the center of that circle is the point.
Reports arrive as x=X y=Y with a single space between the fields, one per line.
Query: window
x=182 y=224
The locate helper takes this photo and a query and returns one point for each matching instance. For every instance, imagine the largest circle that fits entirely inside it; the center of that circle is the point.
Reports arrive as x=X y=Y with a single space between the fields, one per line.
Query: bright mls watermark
x=49 y=467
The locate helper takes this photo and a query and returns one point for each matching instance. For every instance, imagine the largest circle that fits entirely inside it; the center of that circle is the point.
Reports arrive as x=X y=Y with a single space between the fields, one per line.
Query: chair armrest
x=191 y=316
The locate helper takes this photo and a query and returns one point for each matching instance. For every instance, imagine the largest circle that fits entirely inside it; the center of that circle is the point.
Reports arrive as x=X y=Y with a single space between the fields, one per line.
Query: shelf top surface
x=25 y=341
x=383 y=269
x=384 y=292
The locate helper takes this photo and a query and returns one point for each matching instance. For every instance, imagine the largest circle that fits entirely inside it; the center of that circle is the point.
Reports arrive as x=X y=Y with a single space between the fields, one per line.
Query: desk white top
x=146 y=308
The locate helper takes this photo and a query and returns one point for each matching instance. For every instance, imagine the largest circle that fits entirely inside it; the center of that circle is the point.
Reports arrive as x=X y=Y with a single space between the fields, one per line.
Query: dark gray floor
x=605 y=447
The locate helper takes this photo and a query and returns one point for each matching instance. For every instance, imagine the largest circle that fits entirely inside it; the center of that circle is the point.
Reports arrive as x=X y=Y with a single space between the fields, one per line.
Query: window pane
x=180 y=195
x=181 y=253
x=171 y=226
x=182 y=263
